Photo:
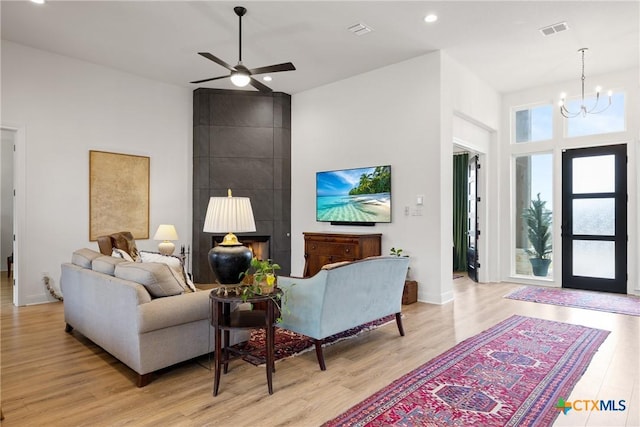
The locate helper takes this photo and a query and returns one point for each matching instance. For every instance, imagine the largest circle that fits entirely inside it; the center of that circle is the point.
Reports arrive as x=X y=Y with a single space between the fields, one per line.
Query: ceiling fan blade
x=261 y=87
x=287 y=66
x=213 y=78
x=216 y=60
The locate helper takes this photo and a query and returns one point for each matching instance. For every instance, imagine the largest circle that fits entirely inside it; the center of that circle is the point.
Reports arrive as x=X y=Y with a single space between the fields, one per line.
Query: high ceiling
x=499 y=41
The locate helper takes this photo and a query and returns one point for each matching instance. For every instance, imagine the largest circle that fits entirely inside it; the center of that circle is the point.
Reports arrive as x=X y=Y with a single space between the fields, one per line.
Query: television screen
x=358 y=196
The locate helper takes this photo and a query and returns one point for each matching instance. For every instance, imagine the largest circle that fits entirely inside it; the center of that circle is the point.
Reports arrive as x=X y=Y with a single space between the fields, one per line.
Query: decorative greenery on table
x=260 y=279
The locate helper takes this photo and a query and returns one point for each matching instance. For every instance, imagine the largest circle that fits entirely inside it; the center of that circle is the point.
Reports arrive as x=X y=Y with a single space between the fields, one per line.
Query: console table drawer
x=331 y=249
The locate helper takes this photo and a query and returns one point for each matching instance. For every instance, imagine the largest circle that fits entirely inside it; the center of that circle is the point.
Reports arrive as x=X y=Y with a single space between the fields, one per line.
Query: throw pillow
x=119 y=253
x=124 y=240
x=158 y=279
x=176 y=265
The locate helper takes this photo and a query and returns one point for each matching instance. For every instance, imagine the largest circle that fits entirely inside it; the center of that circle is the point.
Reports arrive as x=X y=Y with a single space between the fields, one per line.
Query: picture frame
x=118 y=194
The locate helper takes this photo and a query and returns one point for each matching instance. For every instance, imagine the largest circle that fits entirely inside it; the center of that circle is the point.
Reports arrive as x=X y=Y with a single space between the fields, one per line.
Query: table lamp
x=229 y=215
x=166 y=232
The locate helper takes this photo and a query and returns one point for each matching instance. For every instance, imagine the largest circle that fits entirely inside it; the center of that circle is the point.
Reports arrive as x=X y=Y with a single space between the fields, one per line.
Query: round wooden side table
x=225 y=320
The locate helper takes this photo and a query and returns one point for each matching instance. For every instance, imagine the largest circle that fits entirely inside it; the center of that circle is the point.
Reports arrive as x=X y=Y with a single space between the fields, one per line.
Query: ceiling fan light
x=240 y=79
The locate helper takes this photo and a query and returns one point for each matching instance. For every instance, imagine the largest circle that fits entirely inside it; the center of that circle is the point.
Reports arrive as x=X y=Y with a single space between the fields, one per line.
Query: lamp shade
x=166 y=232
x=229 y=215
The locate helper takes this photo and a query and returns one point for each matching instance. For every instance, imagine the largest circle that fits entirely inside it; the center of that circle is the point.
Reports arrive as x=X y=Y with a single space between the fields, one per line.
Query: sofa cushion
x=106 y=264
x=176 y=265
x=159 y=279
x=84 y=257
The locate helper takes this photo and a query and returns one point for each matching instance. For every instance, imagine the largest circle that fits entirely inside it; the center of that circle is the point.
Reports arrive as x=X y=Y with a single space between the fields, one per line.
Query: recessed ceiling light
x=37 y=1
x=432 y=17
x=267 y=78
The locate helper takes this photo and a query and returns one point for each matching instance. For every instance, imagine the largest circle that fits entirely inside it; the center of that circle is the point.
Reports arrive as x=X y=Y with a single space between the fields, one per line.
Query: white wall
x=626 y=81
x=65 y=108
x=470 y=107
x=377 y=118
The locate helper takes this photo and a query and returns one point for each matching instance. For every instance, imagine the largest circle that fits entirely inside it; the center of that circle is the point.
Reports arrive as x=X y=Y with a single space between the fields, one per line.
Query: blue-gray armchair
x=343 y=296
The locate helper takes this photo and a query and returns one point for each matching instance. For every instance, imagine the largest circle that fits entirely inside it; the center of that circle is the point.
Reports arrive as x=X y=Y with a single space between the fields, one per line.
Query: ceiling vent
x=553 y=29
x=360 y=29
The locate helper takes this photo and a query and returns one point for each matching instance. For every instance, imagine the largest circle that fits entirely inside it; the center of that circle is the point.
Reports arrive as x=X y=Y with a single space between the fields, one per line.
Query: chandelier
x=584 y=110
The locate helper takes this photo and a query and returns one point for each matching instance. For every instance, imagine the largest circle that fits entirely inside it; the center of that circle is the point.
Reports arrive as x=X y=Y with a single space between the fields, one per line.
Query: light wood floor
x=53 y=378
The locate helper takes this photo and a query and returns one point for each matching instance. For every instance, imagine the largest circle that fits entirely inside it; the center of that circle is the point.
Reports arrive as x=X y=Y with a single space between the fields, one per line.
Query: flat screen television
x=360 y=196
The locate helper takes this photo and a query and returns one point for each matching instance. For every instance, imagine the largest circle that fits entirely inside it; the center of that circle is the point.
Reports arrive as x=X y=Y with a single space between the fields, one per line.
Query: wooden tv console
x=327 y=248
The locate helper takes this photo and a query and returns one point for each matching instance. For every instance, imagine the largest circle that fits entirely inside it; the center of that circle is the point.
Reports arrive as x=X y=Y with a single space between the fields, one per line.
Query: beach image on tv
x=354 y=195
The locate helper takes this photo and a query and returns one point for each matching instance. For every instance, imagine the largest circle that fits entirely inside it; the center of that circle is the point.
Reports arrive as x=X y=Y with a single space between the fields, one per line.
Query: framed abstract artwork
x=118 y=194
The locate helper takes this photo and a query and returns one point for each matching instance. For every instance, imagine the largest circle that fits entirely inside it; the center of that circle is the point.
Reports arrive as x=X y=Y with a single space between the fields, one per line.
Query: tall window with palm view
x=534 y=215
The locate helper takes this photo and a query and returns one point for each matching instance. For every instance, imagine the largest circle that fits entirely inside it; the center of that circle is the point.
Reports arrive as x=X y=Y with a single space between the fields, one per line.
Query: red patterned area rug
x=601 y=301
x=292 y=344
x=509 y=375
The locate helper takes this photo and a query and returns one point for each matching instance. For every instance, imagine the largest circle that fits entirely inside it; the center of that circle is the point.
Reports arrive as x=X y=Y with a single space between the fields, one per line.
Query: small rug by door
x=512 y=374
x=601 y=301
x=289 y=343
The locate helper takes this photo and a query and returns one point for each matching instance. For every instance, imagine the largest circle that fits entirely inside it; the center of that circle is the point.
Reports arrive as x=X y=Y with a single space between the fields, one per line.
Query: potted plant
x=398 y=252
x=260 y=279
x=538 y=220
x=264 y=275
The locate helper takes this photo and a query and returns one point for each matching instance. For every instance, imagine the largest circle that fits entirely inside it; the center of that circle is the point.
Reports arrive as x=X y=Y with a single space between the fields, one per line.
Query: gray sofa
x=342 y=296
x=103 y=303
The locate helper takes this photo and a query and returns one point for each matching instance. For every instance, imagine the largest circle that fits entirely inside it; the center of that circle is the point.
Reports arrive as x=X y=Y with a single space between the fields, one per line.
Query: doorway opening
x=466 y=229
x=7 y=144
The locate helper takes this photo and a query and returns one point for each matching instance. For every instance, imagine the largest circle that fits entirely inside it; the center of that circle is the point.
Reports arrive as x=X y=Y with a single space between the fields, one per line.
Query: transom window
x=610 y=120
x=534 y=124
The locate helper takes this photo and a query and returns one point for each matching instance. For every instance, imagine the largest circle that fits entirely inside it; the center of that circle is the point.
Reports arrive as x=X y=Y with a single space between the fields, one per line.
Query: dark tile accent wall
x=242 y=141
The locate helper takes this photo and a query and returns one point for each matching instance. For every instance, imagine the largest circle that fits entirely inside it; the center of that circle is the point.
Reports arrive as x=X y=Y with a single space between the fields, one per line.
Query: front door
x=594 y=218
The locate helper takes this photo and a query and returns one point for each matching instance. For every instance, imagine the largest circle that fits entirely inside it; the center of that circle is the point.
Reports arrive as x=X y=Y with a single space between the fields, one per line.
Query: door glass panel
x=586 y=181
x=594 y=259
x=594 y=216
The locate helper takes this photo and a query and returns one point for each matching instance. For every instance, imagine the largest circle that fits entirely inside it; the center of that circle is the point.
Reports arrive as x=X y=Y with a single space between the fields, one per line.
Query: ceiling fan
x=241 y=75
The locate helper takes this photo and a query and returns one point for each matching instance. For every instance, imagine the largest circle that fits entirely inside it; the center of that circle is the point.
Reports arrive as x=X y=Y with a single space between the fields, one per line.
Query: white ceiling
x=498 y=40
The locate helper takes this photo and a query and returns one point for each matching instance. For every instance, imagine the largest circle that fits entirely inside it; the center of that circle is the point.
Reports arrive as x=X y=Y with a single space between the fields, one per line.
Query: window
x=611 y=120
x=534 y=124
x=534 y=215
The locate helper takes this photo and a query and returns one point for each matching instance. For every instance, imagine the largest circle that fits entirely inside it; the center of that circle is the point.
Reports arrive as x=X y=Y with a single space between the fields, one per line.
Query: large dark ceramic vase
x=228 y=262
